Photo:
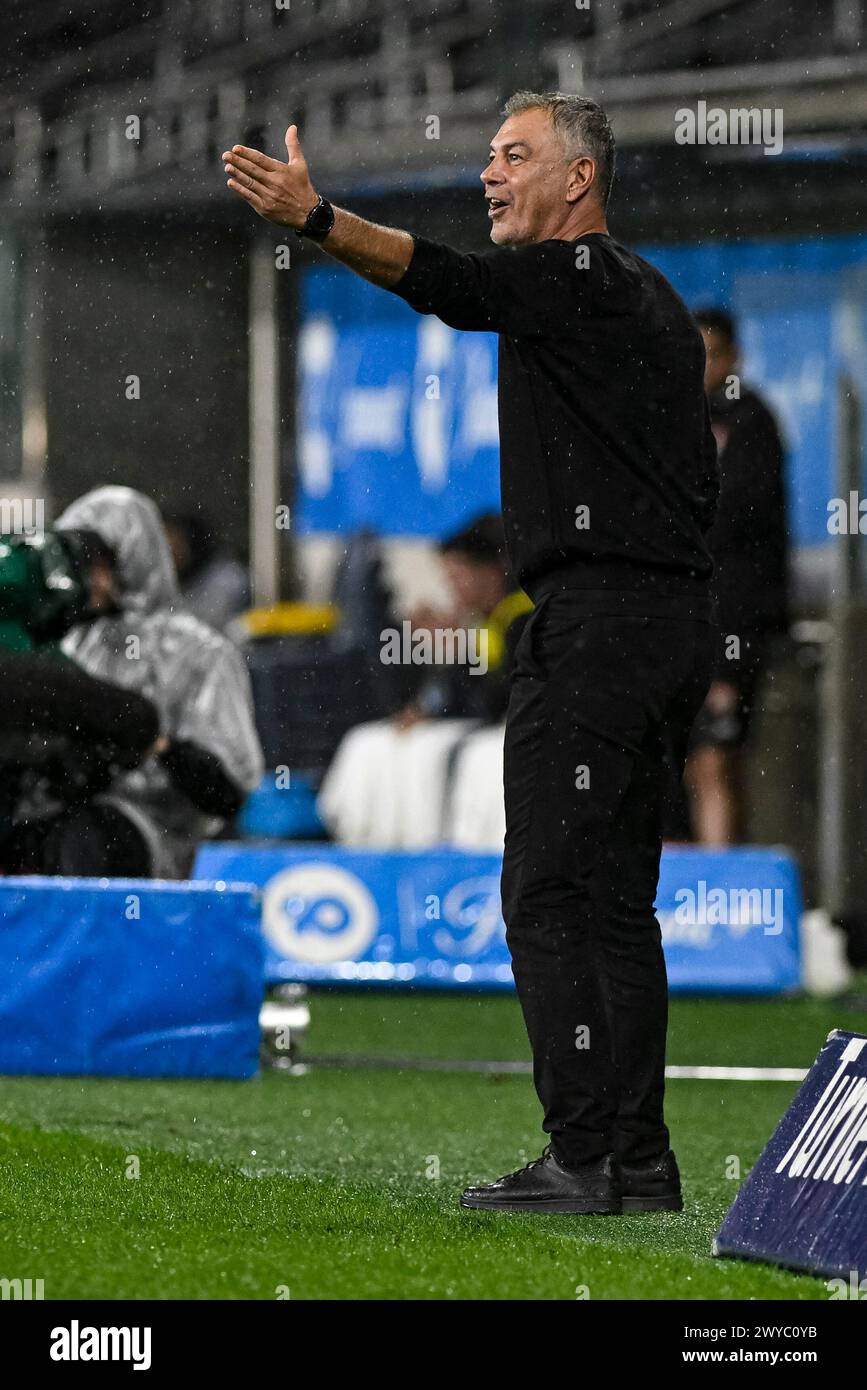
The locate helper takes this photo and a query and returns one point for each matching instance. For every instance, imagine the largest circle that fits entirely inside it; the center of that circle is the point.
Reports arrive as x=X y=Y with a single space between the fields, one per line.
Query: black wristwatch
x=319 y=222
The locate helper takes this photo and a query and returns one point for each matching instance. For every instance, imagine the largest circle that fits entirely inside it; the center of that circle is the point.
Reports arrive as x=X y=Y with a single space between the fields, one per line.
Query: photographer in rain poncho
x=207 y=757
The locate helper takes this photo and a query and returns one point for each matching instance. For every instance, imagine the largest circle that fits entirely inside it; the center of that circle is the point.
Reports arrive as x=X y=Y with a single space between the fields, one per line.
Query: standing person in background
x=748 y=543
x=215 y=587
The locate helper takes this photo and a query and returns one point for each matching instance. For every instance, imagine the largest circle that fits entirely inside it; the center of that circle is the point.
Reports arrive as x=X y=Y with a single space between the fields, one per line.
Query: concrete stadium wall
x=166 y=302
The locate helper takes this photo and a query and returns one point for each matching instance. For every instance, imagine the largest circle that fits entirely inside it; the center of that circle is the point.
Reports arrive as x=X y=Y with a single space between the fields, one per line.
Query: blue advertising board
x=730 y=919
x=804 y=1204
x=397 y=425
x=330 y=915
x=128 y=977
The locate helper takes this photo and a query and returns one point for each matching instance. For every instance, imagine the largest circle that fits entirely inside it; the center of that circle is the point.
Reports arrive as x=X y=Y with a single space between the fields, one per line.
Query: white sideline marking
x=735 y=1073
x=526 y=1068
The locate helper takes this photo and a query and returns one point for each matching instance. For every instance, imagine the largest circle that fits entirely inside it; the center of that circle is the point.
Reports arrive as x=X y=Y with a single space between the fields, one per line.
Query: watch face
x=320 y=221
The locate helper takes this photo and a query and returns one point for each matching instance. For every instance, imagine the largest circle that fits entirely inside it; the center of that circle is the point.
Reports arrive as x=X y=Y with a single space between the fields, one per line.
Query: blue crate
x=129 y=977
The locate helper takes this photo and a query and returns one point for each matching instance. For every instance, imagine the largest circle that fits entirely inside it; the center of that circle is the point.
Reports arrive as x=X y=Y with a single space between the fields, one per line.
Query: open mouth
x=496 y=206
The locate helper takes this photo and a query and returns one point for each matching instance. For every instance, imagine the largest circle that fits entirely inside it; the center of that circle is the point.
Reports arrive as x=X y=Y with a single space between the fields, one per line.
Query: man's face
x=721 y=358
x=102 y=594
x=477 y=586
x=529 y=175
x=180 y=548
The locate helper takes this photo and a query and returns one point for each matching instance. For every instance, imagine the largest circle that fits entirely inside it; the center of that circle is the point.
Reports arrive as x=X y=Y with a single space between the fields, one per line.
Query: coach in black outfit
x=609 y=486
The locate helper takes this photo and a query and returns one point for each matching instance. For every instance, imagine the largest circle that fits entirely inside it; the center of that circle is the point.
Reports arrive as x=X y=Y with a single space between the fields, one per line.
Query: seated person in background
x=207 y=757
x=392 y=782
x=214 y=586
x=748 y=542
x=63 y=735
x=491 y=608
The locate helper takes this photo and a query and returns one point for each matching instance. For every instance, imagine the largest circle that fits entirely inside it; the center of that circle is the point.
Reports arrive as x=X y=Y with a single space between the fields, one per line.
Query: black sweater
x=607 y=460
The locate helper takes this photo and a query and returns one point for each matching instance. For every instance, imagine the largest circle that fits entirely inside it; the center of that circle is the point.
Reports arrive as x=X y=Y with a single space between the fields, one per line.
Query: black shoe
x=545 y=1185
x=653 y=1185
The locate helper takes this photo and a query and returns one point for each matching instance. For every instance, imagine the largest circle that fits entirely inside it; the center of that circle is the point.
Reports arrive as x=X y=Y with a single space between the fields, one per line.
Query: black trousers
x=599 y=702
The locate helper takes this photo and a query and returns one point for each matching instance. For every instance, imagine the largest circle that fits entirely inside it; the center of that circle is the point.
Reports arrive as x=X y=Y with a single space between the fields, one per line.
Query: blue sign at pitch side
x=331 y=915
x=804 y=1205
x=729 y=919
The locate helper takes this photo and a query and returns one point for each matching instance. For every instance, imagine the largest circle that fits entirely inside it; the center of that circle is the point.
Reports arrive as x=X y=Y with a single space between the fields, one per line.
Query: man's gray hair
x=582 y=125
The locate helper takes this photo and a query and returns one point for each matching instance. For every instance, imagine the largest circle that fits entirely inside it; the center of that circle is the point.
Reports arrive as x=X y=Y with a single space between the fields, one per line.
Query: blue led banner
x=397 y=415
x=729 y=919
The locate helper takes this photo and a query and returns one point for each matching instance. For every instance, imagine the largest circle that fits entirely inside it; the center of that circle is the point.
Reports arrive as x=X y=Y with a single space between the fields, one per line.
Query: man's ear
x=579 y=177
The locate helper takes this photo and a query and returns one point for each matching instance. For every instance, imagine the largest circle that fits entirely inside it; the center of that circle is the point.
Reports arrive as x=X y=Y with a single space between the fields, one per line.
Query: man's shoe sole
x=673 y=1202
x=566 y=1206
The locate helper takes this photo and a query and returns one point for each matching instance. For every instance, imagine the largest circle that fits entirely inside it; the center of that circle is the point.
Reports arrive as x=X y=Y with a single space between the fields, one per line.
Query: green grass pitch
x=343 y=1183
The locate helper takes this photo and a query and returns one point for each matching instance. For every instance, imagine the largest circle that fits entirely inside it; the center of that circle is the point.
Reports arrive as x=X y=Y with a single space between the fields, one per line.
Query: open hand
x=280 y=193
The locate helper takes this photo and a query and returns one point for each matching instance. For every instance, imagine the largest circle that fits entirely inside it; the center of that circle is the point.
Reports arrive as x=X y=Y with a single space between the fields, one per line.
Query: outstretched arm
x=518 y=290
x=283 y=193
